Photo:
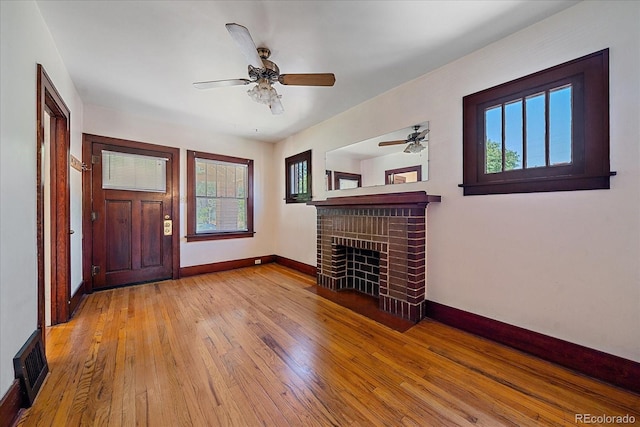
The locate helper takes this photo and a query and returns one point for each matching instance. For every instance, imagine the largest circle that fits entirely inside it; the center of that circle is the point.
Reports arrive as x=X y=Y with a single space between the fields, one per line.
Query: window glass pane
x=211 y=180
x=241 y=182
x=133 y=172
x=224 y=206
x=201 y=178
x=242 y=214
x=513 y=135
x=220 y=181
x=205 y=215
x=560 y=126
x=347 y=183
x=294 y=178
x=536 y=133
x=493 y=138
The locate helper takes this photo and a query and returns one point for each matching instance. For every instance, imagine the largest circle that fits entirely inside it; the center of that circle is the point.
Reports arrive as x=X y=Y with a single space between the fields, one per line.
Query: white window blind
x=221 y=196
x=133 y=172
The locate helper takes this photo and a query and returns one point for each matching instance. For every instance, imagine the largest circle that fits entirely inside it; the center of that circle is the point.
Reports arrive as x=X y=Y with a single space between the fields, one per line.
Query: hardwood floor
x=253 y=347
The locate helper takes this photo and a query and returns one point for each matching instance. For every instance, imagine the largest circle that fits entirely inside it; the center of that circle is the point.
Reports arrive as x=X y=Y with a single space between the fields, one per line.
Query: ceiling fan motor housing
x=270 y=72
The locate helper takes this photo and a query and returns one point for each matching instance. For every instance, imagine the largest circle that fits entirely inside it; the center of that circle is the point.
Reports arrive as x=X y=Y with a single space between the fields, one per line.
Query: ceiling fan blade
x=321 y=79
x=221 y=83
x=244 y=41
x=276 y=106
x=422 y=134
x=397 y=142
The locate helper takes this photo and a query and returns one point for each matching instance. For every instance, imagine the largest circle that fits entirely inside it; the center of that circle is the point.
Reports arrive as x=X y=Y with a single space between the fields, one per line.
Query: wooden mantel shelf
x=408 y=198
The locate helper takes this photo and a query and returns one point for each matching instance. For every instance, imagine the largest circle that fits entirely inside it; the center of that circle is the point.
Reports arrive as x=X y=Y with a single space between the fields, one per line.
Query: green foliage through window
x=221 y=196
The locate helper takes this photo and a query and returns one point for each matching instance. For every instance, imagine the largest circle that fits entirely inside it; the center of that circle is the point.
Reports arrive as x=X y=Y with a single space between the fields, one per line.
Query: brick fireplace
x=376 y=245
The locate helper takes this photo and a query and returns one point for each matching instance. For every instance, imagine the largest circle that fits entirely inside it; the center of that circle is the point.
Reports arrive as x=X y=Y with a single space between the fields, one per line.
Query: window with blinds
x=220 y=197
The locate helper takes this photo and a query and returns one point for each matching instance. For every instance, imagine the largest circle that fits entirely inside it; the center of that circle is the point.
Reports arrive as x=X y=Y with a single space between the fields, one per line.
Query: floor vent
x=31 y=367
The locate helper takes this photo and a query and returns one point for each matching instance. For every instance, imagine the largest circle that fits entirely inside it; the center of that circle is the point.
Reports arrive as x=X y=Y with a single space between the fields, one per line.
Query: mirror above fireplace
x=397 y=157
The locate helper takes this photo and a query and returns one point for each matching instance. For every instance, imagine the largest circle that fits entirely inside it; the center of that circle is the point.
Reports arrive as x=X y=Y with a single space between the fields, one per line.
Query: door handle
x=71 y=231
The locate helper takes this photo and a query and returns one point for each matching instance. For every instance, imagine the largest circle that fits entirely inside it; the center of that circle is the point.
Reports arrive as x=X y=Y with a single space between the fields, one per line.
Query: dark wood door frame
x=49 y=100
x=87 y=230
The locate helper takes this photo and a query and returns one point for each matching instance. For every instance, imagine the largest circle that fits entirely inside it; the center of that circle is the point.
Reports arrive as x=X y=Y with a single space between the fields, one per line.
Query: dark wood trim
x=11 y=405
x=87 y=142
x=76 y=298
x=194 y=270
x=597 y=364
x=219 y=236
x=307 y=269
x=48 y=100
x=389 y=172
x=192 y=236
x=408 y=198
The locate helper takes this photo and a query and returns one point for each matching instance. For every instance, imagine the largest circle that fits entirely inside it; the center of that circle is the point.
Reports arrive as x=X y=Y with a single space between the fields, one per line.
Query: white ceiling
x=141 y=57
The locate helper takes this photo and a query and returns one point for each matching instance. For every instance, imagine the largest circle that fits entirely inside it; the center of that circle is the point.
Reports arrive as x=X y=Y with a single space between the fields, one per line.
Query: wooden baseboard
x=594 y=363
x=307 y=269
x=11 y=405
x=224 y=265
x=247 y=262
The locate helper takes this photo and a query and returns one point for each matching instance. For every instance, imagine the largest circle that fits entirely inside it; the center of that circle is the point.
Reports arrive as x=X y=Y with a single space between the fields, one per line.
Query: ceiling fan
x=414 y=140
x=264 y=72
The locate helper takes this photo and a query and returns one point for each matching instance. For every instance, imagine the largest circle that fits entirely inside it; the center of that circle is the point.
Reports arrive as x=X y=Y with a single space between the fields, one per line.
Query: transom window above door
x=133 y=172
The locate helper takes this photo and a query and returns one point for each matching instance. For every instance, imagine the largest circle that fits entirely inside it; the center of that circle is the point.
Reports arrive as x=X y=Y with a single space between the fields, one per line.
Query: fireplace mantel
x=388 y=229
x=389 y=199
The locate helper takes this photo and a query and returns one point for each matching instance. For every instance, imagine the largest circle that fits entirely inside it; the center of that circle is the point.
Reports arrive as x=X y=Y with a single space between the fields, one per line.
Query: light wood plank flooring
x=254 y=347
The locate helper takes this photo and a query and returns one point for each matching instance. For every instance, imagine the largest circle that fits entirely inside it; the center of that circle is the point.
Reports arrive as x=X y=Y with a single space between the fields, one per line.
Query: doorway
x=131 y=216
x=52 y=114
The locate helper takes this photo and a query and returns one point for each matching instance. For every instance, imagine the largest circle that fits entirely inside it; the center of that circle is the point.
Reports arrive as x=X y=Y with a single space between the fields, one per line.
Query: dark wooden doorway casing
x=49 y=100
x=88 y=143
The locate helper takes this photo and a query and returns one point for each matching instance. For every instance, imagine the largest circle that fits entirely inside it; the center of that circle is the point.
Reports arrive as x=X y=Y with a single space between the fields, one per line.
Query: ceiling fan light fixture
x=414 y=147
x=263 y=92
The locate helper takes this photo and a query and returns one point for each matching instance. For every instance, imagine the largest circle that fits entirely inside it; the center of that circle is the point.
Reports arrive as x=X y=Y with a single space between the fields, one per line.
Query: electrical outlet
x=258 y=261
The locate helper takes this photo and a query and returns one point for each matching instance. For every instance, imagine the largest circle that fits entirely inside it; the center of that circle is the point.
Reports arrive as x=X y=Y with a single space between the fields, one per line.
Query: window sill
x=539 y=185
x=219 y=236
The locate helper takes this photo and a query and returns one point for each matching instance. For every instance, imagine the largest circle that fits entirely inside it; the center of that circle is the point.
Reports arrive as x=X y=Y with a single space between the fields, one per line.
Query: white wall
x=107 y=122
x=565 y=264
x=25 y=41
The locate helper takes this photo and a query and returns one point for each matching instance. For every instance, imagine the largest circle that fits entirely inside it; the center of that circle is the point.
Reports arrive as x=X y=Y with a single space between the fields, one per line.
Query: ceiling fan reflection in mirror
x=264 y=73
x=414 y=140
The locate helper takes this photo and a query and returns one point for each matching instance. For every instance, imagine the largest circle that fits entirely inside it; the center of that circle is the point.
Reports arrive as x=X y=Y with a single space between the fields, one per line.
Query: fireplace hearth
x=376 y=245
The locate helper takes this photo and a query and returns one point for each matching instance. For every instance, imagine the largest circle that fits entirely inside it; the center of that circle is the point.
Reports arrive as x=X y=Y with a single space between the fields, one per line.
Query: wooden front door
x=131 y=215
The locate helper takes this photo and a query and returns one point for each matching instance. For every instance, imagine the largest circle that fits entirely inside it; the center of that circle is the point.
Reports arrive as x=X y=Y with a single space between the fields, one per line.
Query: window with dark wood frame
x=338 y=177
x=219 y=197
x=548 y=131
x=389 y=174
x=298 y=178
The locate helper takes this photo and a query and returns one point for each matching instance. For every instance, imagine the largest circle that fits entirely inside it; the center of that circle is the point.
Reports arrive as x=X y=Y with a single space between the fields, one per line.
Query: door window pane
x=133 y=172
